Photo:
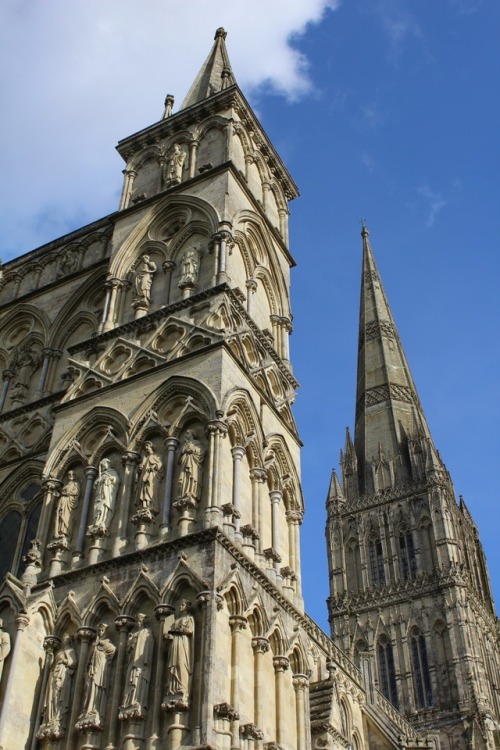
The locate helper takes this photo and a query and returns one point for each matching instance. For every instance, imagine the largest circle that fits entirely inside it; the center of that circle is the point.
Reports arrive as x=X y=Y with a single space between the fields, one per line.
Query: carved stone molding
x=281 y=663
x=226 y=711
x=237 y=623
x=260 y=644
x=251 y=732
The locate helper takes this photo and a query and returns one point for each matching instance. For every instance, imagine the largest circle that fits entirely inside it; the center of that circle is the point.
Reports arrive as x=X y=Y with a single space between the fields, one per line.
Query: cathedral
x=150 y=491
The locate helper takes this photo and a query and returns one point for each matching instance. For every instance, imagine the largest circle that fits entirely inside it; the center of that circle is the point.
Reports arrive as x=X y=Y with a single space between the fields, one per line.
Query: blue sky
x=384 y=109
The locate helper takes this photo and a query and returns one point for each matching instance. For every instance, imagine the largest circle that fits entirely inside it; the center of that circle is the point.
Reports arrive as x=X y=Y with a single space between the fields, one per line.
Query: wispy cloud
x=372 y=115
x=465 y=7
x=398 y=22
x=368 y=162
x=434 y=203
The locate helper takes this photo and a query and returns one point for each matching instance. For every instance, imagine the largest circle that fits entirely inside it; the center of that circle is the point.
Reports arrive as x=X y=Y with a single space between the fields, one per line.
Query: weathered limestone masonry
x=410 y=600
x=150 y=497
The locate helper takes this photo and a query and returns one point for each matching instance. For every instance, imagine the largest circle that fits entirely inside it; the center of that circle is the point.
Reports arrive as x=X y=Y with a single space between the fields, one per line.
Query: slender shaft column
x=276 y=328
x=210 y=603
x=123 y=623
x=215 y=249
x=265 y=193
x=237 y=624
x=51 y=492
x=237 y=453
x=47 y=354
x=107 y=301
x=258 y=477
x=109 y=320
x=90 y=475
x=193 y=148
x=21 y=623
x=301 y=685
x=221 y=271
x=162 y=611
x=128 y=184
x=85 y=635
x=171 y=444
x=286 y=330
x=50 y=644
x=129 y=460
x=260 y=647
x=168 y=266
x=251 y=286
x=275 y=497
x=283 y=215
x=7 y=376
x=216 y=430
x=280 y=664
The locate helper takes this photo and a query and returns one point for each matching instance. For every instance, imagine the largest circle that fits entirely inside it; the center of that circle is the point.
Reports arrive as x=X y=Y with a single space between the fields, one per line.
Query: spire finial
x=220 y=32
x=364 y=228
x=169 y=105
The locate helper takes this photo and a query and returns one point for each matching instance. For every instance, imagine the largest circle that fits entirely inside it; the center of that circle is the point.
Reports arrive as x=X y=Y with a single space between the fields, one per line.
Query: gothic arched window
x=421 y=675
x=18 y=528
x=9 y=531
x=407 y=555
x=386 y=671
x=376 y=558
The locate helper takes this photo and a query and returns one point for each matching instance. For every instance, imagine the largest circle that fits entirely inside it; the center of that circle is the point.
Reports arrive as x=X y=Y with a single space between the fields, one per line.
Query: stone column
x=276 y=329
x=216 y=430
x=251 y=286
x=168 y=266
x=294 y=518
x=85 y=636
x=22 y=622
x=128 y=184
x=129 y=460
x=50 y=644
x=109 y=320
x=7 y=376
x=286 y=330
x=47 y=354
x=258 y=477
x=193 y=148
x=237 y=624
x=280 y=664
x=283 y=216
x=51 y=488
x=260 y=647
x=225 y=242
x=123 y=624
x=209 y=602
x=90 y=474
x=162 y=611
x=300 y=684
x=237 y=453
x=275 y=496
x=171 y=444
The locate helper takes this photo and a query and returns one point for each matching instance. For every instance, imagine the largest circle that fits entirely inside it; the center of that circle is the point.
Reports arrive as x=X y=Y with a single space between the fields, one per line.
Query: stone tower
x=150 y=497
x=410 y=600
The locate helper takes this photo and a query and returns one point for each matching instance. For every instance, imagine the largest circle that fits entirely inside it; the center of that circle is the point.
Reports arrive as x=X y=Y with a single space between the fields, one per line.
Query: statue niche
x=24 y=363
x=105 y=491
x=96 y=682
x=179 y=660
x=149 y=475
x=190 y=269
x=4 y=646
x=143 y=282
x=66 y=506
x=57 y=698
x=140 y=647
x=174 y=163
x=190 y=462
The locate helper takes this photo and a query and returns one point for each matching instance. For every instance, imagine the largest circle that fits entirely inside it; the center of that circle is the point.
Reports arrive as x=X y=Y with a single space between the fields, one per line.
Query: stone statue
x=57 y=700
x=25 y=363
x=180 y=659
x=175 y=162
x=33 y=560
x=140 y=657
x=4 y=646
x=105 y=489
x=190 y=266
x=68 y=502
x=190 y=461
x=149 y=476
x=144 y=280
x=96 y=683
x=169 y=105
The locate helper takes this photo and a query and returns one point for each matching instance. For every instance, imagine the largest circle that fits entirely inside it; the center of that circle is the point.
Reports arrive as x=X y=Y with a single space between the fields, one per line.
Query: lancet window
x=421 y=675
x=387 y=673
x=407 y=555
x=376 y=558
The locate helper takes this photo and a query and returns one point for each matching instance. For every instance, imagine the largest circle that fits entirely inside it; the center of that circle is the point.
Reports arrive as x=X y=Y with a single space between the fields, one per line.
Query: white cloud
x=77 y=76
x=398 y=22
x=434 y=203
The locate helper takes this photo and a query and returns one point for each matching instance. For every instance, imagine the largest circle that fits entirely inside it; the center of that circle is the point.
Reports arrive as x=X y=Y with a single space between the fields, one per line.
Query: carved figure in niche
x=4 y=646
x=140 y=647
x=57 y=700
x=144 y=280
x=105 y=488
x=149 y=476
x=190 y=266
x=96 y=682
x=33 y=560
x=175 y=162
x=26 y=360
x=68 y=502
x=190 y=461
x=180 y=659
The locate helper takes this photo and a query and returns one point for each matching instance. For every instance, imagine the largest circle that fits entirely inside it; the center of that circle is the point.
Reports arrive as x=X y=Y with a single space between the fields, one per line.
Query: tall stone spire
x=215 y=73
x=388 y=410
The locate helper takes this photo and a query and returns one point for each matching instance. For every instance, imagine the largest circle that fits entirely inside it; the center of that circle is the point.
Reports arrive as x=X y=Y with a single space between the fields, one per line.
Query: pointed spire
x=335 y=494
x=387 y=404
x=215 y=74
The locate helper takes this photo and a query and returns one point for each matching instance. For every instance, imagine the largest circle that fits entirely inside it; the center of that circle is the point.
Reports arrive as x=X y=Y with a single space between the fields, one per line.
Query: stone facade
x=150 y=497
x=410 y=601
